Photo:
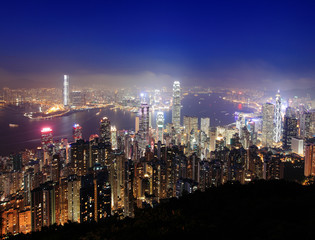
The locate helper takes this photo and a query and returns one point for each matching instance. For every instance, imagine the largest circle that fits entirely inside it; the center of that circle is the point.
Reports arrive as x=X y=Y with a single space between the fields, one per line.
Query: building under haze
x=176 y=106
x=144 y=125
x=66 y=91
x=267 y=128
x=77 y=98
x=290 y=128
x=277 y=119
x=160 y=125
x=205 y=125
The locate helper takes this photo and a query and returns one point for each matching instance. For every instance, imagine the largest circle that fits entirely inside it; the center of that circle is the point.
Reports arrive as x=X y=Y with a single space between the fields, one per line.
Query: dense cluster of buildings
x=115 y=171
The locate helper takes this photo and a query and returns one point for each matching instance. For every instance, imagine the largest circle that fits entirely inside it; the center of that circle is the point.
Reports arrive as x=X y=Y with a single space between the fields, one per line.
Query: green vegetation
x=259 y=210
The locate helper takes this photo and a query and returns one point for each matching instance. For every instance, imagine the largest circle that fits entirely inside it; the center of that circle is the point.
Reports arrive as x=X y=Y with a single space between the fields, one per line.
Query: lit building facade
x=113 y=134
x=66 y=91
x=46 y=138
x=144 y=125
x=160 y=125
x=309 y=165
x=77 y=132
x=290 y=128
x=267 y=128
x=205 y=125
x=176 y=106
x=277 y=119
x=105 y=134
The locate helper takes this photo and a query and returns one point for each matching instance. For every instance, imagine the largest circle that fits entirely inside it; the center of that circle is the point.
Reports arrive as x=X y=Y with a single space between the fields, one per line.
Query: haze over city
x=264 y=44
x=157 y=120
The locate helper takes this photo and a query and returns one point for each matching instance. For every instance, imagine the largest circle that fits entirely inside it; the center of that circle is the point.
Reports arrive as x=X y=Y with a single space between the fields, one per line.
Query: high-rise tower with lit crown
x=277 y=119
x=176 y=106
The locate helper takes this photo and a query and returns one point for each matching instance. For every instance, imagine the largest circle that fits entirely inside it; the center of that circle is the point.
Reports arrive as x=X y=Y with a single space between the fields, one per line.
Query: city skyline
x=257 y=45
x=113 y=112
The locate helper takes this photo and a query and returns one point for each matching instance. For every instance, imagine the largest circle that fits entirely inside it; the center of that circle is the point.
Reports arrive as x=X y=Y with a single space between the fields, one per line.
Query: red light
x=45 y=130
x=240 y=106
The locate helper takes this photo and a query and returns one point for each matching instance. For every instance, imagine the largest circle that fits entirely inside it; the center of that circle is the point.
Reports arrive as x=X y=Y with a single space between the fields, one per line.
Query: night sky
x=262 y=44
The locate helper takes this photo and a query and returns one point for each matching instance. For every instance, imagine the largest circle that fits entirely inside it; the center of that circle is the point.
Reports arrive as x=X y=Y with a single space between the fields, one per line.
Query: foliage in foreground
x=259 y=210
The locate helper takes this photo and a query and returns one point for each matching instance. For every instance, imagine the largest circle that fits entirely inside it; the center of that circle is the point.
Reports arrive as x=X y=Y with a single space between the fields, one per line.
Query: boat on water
x=13 y=125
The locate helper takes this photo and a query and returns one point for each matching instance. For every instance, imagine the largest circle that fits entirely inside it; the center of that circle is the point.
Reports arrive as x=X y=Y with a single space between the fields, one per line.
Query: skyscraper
x=160 y=125
x=305 y=124
x=113 y=134
x=205 y=125
x=137 y=124
x=144 y=125
x=309 y=167
x=190 y=123
x=289 y=128
x=176 y=106
x=80 y=157
x=277 y=119
x=267 y=128
x=105 y=134
x=66 y=90
x=73 y=197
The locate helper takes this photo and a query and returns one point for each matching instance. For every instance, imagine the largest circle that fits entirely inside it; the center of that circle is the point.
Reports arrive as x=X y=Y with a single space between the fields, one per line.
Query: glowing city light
x=46 y=129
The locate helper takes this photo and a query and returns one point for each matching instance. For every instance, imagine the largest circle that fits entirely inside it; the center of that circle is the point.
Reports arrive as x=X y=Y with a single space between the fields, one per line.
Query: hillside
x=260 y=210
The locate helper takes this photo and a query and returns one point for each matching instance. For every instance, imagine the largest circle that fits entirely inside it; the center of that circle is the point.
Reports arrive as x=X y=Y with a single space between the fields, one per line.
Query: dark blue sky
x=210 y=43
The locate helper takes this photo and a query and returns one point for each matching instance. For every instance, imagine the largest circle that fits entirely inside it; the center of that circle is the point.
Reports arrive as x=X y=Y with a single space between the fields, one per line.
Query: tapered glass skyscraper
x=176 y=106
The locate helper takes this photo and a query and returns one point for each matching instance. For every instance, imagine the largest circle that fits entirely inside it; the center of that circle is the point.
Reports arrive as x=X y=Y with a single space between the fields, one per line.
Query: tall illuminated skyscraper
x=290 y=128
x=176 y=106
x=267 y=128
x=105 y=134
x=144 y=124
x=277 y=119
x=205 y=125
x=66 y=90
x=113 y=134
x=160 y=125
